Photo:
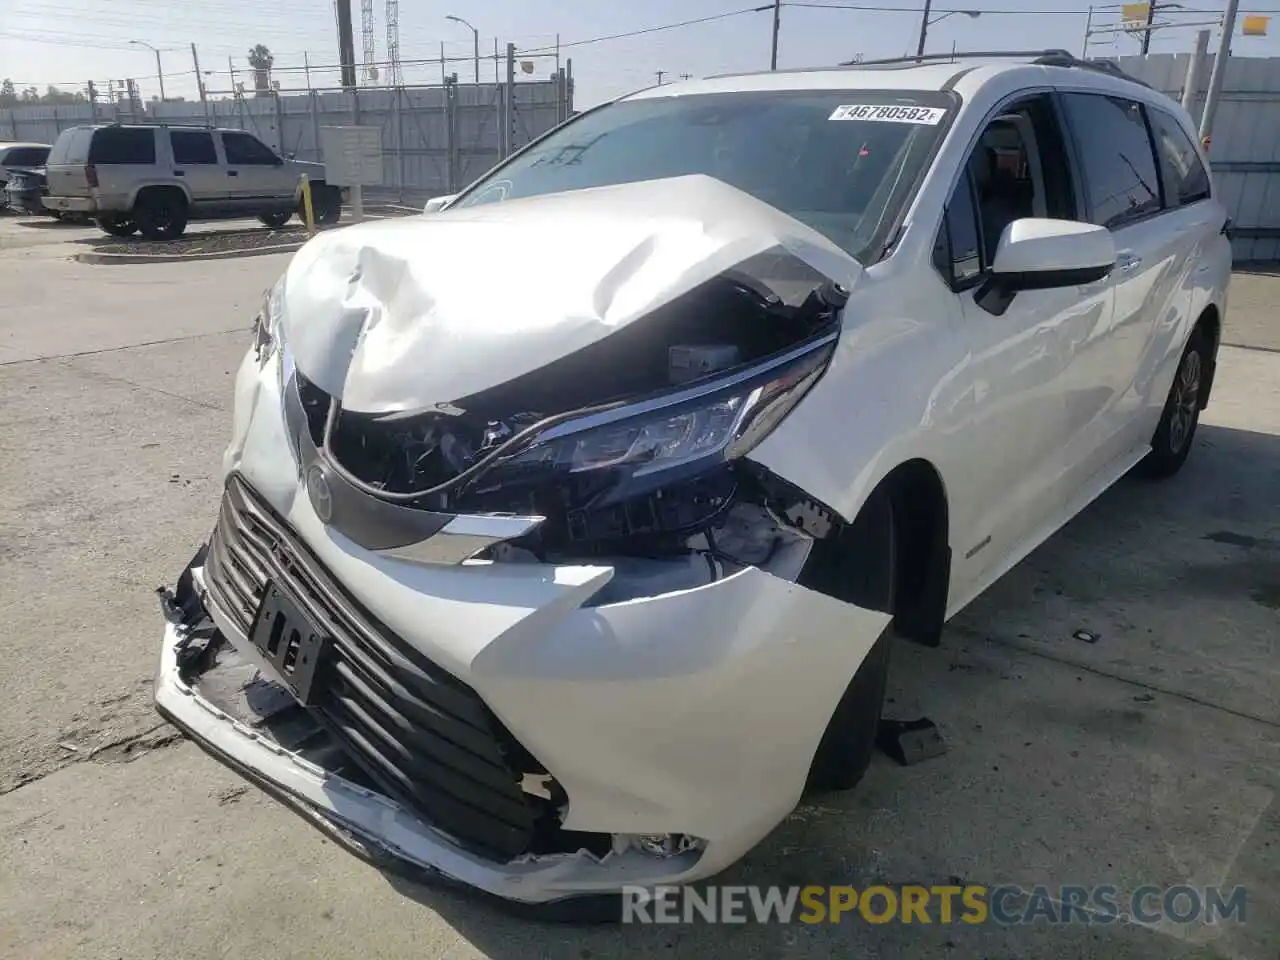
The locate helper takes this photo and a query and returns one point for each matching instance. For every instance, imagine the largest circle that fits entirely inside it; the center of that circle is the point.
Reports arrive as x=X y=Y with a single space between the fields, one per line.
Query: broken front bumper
x=691 y=714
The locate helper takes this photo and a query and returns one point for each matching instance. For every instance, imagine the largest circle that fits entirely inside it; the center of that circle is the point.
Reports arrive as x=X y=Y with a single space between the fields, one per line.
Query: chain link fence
x=435 y=139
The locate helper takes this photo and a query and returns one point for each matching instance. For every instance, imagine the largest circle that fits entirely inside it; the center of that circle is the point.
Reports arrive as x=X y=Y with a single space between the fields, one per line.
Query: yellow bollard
x=307 y=209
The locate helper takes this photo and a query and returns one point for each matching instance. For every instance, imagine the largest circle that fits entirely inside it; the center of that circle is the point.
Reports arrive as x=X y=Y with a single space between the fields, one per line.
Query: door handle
x=1128 y=262
x=179 y=173
x=233 y=173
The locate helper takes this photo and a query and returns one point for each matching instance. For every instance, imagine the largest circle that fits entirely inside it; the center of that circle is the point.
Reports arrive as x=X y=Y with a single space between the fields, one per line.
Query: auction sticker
x=888 y=114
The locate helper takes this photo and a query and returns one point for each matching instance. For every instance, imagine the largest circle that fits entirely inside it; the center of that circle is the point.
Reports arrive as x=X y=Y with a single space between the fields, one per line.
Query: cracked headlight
x=650 y=444
x=266 y=326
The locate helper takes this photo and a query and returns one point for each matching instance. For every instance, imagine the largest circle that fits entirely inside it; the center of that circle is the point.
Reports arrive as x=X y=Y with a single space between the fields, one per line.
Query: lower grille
x=421 y=734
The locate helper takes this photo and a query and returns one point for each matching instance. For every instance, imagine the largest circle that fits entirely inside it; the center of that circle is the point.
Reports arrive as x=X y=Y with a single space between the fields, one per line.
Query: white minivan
x=566 y=528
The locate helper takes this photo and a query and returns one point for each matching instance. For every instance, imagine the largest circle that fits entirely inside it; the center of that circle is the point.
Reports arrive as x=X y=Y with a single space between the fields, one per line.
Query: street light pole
x=475 y=36
x=926 y=23
x=159 y=70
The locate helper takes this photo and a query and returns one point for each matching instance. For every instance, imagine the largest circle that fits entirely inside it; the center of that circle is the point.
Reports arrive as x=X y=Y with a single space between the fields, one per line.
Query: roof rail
x=959 y=55
x=1044 y=58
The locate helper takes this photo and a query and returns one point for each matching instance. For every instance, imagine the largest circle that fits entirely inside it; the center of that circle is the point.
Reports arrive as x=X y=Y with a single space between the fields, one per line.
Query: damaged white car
x=565 y=529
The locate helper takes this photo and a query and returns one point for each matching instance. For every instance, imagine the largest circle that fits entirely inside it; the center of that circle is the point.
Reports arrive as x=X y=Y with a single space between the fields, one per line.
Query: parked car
x=25 y=190
x=155 y=179
x=20 y=156
x=570 y=525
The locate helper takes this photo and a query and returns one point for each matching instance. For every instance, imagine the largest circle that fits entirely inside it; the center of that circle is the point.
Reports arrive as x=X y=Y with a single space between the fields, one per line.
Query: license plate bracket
x=289 y=641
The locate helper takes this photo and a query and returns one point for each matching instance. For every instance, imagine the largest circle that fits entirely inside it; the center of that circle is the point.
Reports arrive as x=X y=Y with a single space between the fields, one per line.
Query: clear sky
x=67 y=42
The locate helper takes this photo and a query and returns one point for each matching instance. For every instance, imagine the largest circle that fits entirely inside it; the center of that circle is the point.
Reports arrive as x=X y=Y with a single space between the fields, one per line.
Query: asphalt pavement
x=1143 y=750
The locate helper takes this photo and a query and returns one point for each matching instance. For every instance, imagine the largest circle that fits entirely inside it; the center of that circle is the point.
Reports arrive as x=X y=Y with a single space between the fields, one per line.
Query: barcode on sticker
x=888 y=114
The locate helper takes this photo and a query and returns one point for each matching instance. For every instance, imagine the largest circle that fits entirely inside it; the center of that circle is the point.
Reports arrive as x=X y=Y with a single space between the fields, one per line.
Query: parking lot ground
x=1151 y=756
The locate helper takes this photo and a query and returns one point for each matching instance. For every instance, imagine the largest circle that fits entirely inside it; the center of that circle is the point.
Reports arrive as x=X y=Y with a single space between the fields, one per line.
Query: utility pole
x=661 y=74
x=686 y=76
x=204 y=100
x=924 y=27
x=231 y=68
x=1088 y=27
x=1191 y=85
x=93 y=102
x=1219 y=69
x=777 y=23
x=1146 y=34
x=346 y=44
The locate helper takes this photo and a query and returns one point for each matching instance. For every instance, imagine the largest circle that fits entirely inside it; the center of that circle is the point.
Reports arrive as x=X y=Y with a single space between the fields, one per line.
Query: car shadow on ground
x=1012 y=798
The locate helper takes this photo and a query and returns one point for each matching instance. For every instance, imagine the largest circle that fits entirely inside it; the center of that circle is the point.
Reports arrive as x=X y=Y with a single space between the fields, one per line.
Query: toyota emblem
x=321 y=495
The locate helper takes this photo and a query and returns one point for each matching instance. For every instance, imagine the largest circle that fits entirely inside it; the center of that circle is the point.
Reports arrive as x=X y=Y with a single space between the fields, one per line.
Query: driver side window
x=1017 y=169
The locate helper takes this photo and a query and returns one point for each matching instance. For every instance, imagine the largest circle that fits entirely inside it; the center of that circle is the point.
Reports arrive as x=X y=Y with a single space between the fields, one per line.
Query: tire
x=275 y=220
x=1177 y=428
x=161 y=215
x=117 y=226
x=859 y=568
x=844 y=754
x=326 y=204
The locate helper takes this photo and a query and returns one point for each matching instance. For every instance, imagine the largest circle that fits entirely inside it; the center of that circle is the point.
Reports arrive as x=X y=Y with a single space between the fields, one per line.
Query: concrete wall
x=435 y=140
x=1245 y=149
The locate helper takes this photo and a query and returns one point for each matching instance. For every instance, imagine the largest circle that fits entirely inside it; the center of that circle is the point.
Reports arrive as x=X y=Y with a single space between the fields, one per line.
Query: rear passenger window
x=1186 y=179
x=1118 y=159
x=192 y=146
x=72 y=146
x=123 y=145
x=957 y=252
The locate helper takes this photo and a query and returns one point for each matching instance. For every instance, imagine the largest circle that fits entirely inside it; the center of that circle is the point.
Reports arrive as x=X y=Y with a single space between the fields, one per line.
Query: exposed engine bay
x=598 y=489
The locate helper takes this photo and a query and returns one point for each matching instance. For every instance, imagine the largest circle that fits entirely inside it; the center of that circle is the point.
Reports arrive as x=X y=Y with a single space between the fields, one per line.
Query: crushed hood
x=413 y=314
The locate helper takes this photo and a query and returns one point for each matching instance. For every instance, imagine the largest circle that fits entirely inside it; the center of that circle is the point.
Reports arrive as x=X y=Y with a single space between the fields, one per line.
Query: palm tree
x=260 y=59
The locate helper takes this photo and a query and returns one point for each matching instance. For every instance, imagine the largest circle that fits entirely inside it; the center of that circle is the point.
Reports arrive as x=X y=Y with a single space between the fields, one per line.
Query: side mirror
x=435 y=204
x=1037 y=253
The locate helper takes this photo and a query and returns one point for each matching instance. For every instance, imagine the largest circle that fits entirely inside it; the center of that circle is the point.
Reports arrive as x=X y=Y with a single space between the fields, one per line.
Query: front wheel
x=275 y=220
x=1177 y=428
x=858 y=567
x=122 y=227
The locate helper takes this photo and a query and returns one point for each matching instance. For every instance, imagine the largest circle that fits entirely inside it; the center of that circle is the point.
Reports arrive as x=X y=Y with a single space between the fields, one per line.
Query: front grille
x=421 y=734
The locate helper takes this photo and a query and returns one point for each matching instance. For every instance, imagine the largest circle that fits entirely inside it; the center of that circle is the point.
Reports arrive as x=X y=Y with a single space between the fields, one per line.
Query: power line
x=644 y=30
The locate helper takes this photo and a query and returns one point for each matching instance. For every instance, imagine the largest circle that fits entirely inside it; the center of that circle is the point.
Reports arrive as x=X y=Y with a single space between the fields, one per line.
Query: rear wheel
x=1177 y=428
x=275 y=220
x=161 y=215
x=117 y=226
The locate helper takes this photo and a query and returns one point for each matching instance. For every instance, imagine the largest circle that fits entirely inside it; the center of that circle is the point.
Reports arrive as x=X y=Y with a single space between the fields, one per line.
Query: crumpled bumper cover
x=694 y=715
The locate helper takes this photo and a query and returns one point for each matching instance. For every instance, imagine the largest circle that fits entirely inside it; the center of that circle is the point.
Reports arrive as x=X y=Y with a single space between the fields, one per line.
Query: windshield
x=840 y=161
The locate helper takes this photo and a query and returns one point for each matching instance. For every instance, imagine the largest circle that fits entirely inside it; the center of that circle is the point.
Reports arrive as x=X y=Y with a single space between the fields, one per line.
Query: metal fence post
x=509 y=103
x=398 y=120
x=314 y=110
x=279 y=123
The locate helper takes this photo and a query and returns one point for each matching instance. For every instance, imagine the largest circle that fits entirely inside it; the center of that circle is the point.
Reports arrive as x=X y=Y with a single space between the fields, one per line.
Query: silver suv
x=154 y=179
